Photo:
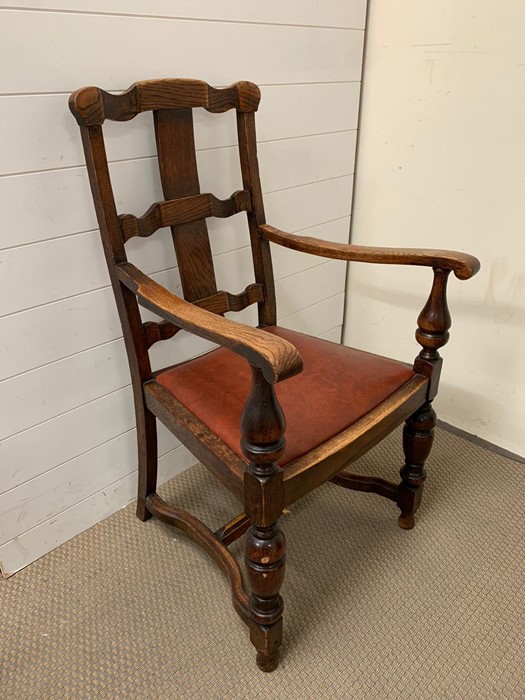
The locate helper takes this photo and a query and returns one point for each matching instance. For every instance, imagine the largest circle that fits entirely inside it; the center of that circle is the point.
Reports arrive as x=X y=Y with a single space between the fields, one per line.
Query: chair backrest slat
x=183 y=211
x=221 y=302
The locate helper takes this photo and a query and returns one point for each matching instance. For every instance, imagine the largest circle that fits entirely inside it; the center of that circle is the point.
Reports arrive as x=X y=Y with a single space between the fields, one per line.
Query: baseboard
x=479 y=441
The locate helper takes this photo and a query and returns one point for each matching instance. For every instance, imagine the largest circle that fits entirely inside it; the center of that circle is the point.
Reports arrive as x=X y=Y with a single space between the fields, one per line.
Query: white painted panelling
x=301 y=207
x=308 y=287
x=68 y=436
x=33 y=397
x=267 y=54
x=288 y=262
x=46 y=392
x=38 y=133
x=36 y=450
x=333 y=335
x=283 y=163
x=92 y=317
x=329 y=13
x=53 y=270
x=58 y=489
x=51 y=279
x=34 y=543
x=35 y=203
x=49 y=494
x=35 y=206
x=316 y=319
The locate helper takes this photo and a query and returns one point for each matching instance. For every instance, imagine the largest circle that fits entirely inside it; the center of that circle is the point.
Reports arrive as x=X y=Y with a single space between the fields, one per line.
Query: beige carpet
x=133 y=610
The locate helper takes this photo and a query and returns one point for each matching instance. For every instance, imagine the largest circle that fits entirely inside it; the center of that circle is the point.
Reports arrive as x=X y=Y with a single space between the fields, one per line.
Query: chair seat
x=338 y=386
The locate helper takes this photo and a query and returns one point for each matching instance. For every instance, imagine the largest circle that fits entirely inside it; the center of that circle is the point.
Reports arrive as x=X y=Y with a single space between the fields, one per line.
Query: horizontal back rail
x=92 y=105
x=218 y=303
x=183 y=210
x=153 y=331
x=221 y=302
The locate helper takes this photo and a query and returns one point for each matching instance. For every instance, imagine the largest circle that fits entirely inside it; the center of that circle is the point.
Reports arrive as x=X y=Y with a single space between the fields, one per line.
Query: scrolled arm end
x=465 y=266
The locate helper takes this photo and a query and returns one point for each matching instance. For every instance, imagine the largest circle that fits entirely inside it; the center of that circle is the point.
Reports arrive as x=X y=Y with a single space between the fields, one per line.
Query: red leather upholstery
x=338 y=386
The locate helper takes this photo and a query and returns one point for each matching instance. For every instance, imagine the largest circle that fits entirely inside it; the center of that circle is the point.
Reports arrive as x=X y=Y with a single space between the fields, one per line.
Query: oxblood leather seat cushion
x=338 y=386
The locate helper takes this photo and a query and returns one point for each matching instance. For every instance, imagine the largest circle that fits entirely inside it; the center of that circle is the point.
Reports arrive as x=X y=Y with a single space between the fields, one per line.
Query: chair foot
x=406 y=522
x=142 y=511
x=267 y=663
x=408 y=501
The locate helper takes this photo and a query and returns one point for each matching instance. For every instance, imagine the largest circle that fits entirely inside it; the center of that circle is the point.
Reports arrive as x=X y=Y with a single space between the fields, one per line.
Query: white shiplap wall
x=67 y=442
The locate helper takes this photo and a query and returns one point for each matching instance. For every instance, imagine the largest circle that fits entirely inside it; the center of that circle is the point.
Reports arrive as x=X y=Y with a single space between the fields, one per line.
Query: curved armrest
x=463 y=265
x=277 y=358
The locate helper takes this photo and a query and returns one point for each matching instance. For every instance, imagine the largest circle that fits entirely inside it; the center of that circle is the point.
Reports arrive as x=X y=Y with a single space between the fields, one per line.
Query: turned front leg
x=418 y=435
x=262 y=428
x=432 y=333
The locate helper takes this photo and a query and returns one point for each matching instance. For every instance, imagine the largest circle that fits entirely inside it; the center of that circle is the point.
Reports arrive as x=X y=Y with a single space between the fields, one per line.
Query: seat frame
x=261 y=485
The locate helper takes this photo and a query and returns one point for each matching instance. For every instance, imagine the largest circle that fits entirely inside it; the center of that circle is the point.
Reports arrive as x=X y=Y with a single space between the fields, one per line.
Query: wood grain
x=277 y=358
x=183 y=211
x=234 y=529
x=91 y=106
x=463 y=265
x=222 y=462
x=262 y=260
x=218 y=303
x=179 y=177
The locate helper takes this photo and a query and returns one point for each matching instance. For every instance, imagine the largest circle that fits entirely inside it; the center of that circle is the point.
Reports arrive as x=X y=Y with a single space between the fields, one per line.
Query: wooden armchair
x=225 y=406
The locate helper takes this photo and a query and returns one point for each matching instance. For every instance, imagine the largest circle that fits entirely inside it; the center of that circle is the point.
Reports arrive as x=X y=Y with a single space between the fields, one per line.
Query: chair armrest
x=275 y=357
x=463 y=265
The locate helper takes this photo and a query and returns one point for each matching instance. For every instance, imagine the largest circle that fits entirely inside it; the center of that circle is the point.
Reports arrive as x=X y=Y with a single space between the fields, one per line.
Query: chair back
x=184 y=208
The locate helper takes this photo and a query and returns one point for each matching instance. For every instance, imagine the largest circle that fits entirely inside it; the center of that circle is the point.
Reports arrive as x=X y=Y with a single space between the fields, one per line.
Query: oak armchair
x=225 y=406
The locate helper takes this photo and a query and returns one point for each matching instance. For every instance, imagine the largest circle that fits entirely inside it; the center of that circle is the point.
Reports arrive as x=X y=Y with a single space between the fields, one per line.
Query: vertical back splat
x=179 y=177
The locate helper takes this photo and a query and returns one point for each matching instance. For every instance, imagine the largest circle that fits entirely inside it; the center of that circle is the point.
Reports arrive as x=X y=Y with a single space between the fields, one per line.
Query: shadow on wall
x=486 y=413
x=487 y=309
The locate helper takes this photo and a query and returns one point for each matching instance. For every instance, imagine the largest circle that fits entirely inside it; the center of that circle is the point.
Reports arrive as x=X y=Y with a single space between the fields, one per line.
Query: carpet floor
x=136 y=610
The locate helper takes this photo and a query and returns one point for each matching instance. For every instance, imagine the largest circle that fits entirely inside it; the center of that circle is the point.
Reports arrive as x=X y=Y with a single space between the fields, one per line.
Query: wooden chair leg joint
x=233 y=530
x=142 y=510
x=205 y=538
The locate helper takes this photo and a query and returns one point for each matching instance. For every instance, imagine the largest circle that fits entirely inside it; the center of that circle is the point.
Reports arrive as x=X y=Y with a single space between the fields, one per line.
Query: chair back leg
x=147 y=459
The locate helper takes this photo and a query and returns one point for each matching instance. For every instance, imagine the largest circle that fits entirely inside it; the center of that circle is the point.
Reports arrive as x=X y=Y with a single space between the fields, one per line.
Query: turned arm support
x=463 y=265
x=434 y=320
x=276 y=358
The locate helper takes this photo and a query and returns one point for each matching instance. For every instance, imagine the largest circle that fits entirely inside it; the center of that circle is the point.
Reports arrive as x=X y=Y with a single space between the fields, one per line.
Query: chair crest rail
x=91 y=105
